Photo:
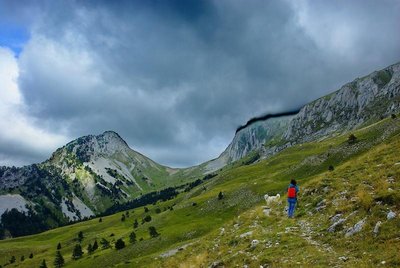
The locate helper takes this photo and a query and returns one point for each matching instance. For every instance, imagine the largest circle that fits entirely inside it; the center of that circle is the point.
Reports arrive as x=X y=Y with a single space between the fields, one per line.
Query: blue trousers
x=292 y=205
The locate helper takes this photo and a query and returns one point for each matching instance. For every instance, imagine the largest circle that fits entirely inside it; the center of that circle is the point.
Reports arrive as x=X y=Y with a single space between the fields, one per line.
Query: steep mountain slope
x=202 y=230
x=360 y=102
x=82 y=179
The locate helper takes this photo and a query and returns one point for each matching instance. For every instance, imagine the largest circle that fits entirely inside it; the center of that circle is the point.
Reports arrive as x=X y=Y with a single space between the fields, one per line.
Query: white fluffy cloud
x=21 y=142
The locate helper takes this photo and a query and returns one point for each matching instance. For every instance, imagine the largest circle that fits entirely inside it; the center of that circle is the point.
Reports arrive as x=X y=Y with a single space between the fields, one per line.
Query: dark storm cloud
x=175 y=78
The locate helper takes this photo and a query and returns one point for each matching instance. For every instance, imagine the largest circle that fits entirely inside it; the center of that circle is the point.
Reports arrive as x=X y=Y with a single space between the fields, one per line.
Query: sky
x=175 y=78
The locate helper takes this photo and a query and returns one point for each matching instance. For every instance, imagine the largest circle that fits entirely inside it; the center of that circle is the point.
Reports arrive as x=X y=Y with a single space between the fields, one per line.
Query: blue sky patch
x=13 y=36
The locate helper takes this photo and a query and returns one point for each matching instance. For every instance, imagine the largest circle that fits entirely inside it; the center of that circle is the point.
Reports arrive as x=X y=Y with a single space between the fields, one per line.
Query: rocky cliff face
x=249 y=139
x=360 y=102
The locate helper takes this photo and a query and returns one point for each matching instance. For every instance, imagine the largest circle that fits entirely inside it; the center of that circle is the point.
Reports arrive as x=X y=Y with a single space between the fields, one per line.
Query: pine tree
x=31 y=256
x=120 y=244
x=44 y=265
x=59 y=260
x=153 y=231
x=100 y=220
x=135 y=224
x=80 y=236
x=59 y=246
x=220 y=195
x=22 y=258
x=95 y=245
x=123 y=217
x=77 y=252
x=146 y=209
x=132 y=237
x=90 y=248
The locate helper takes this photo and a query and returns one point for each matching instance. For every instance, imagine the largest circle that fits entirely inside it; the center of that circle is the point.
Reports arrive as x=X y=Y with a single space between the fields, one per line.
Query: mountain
x=347 y=215
x=358 y=103
x=93 y=175
x=84 y=178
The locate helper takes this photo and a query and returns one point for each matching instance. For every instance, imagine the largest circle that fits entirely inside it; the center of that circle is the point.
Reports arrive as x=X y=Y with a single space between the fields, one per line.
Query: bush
x=153 y=232
x=352 y=139
x=146 y=219
x=135 y=224
x=393 y=116
x=120 y=244
x=331 y=168
x=220 y=195
x=123 y=217
x=104 y=243
x=12 y=260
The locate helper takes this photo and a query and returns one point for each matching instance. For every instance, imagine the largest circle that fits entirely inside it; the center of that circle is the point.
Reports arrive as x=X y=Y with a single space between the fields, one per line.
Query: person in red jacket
x=292 y=191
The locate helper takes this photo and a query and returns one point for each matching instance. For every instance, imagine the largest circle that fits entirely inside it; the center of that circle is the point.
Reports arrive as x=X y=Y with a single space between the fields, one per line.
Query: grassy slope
x=361 y=169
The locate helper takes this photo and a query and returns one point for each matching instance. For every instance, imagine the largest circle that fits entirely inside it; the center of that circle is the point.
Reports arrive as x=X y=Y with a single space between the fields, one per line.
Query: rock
x=222 y=231
x=343 y=258
x=356 y=228
x=266 y=211
x=321 y=205
x=391 y=215
x=383 y=262
x=217 y=264
x=376 y=228
x=254 y=243
x=336 y=218
x=246 y=234
x=335 y=225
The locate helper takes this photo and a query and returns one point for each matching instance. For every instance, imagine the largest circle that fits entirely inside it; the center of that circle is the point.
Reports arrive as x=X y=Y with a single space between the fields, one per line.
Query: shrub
x=393 y=116
x=31 y=256
x=158 y=210
x=120 y=244
x=147 y=219
x=22 y=258
x=123 y=217
x=90 y=248
x=135 y=224
x=220 y=195
x=364 y=198
x=12 y=260
x=352 y=139
x=104 y=243
x=153 y=232
x=331 y=168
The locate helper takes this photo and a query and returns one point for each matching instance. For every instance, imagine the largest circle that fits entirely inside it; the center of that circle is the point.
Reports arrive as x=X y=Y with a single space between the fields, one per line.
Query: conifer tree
x=77 y=252
x=43 y=264
x=104 y=243
x=95 y=245
x=90 y=248
x=135 y=224
x=132 y=237
x=59 y=260
x=59 y=246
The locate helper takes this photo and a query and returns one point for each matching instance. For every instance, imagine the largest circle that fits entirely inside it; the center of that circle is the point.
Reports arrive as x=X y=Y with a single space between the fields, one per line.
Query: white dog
x=270 y=199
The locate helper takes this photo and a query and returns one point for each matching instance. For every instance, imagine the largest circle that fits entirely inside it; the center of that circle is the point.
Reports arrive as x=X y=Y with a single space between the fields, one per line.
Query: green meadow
x=359 y=181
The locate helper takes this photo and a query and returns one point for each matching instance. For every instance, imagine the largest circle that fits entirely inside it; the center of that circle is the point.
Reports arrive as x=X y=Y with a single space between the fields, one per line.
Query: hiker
x=292 y=191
